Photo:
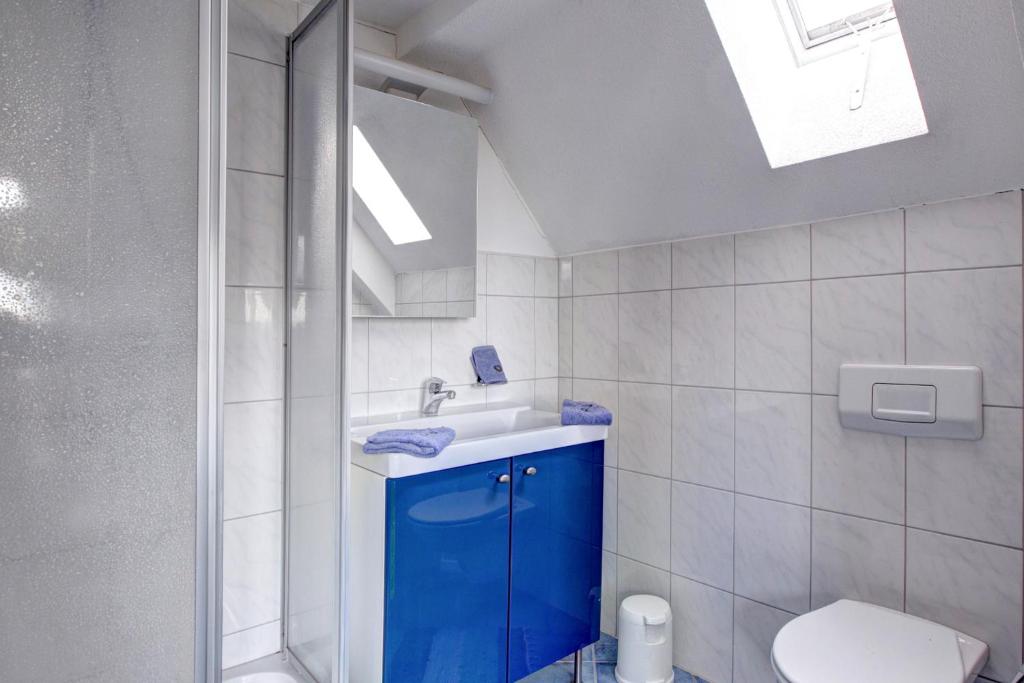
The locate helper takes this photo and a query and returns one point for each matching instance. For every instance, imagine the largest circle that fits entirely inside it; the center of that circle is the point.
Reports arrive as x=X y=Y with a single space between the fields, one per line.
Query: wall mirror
x=414 y=180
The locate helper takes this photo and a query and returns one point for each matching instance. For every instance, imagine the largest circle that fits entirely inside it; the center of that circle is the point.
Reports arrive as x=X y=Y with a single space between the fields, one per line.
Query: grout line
x=795 y=281
x=906 y=459
x=810 y=370
x=255 y=514
x=252 y=628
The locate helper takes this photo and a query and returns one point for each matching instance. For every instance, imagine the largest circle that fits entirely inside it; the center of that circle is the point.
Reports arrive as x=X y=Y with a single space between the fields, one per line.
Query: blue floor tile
x=599 y=666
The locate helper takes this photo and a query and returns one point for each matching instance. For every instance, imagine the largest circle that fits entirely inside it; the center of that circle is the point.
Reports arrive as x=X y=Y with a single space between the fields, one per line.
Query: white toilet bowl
x=853 y=642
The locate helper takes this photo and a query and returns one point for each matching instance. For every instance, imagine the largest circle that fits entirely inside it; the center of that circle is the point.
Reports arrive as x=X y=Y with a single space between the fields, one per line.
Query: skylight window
x=820 y=77
x=819 y=21
x=374 y=184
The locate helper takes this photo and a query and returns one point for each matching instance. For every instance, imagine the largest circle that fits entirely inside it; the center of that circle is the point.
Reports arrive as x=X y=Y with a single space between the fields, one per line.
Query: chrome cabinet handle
x=530 y=471
x=504 y=478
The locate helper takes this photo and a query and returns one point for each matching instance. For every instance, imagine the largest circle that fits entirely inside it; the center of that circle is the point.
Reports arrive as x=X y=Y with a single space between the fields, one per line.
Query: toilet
x=852 y=642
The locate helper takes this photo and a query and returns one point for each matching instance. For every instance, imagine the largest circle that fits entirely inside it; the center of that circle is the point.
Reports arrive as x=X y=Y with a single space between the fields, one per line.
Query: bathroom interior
x=478 y=341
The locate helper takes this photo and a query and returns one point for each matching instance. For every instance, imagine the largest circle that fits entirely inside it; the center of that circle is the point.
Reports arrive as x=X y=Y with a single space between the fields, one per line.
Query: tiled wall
x=255 y=319
x=517 y=311
x=732 y=490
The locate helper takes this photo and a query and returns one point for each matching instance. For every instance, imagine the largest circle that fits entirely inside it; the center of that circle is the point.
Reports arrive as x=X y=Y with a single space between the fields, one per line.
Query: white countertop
x=482 y=433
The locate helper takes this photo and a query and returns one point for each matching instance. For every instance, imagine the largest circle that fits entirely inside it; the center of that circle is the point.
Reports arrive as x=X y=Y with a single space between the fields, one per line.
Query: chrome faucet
x=434 y=394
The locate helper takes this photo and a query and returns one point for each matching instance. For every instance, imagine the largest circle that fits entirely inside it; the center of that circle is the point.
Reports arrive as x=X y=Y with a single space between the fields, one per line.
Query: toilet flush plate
x=937 y=401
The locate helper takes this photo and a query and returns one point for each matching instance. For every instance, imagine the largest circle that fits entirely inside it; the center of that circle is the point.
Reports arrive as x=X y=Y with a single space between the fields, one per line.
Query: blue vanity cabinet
x=446 y=576
x=477 y=574
x=555 y=573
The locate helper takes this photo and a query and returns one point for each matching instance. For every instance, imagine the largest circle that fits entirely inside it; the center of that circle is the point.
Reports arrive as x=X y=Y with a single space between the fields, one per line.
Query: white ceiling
x=388 y=13
x=622 y=123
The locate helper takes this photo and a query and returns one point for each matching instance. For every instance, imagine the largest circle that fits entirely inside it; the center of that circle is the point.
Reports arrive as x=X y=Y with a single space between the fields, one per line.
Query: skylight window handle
x=864 y=39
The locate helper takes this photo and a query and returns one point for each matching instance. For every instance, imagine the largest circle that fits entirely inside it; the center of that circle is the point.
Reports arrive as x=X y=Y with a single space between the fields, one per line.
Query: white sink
x=482 y=433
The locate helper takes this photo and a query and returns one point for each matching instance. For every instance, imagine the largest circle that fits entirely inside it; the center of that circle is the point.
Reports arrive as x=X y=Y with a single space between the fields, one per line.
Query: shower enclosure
x=318 y=304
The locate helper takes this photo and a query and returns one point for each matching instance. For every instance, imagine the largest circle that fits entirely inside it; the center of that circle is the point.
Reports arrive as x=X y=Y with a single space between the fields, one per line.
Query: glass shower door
x=317 y=279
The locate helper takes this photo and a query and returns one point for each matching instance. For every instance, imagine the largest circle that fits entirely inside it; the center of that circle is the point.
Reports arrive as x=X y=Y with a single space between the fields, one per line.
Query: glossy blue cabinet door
x=446 y=573
x=555 y=603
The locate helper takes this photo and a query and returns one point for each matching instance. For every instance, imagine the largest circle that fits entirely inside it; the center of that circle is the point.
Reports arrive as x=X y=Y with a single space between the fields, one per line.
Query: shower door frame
x=343 y=265
x=211 y=222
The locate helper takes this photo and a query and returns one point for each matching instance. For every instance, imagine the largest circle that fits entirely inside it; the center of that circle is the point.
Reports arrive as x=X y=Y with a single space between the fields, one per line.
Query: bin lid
x=645 y=609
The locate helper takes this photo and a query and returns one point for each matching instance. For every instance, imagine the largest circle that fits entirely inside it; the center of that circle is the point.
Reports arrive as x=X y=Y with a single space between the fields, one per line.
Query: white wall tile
x=435 y=285
x=773 y=446
x=437 y=309
x=510 y=275
x=388 y=402
x=359 y=364
x=859 y=473
x=702 y=436
x=253 y=344
x=703 y=333
x=481 y=273
x=595 y=331
x=703 y=262
x=545 y=277
x=972 y=587
x=545 y=395
x=605 y=393
x=399 y=354
x=256 y=116
x=251 y=644
x=773 y=546
x=260 y=28
x=565 y=276
x=857 y=559
x=409 y=310
x=565 y=392
x=644 y=518
x=595 y=273
x=755 y=628
x=702 y=534
x=859 y=245
x=633 y=578
x=451 y=341
x=965 y=233
x=969 y=317
x=610 y=511
x=773 y=255
x=252 y=571
x=702 y=630
x=565 y=337
x=459 y=284
x=253 y=457
x=462 y=309
x=645 y=428
x=645 y=337
x=511 y=330
x=409 y=287
x=855 y=320
x=970 y=488
x=546 y=331
x=645 y=268
x=255 y=230
x=609 y=593
x=773 y=337
x=521 y=393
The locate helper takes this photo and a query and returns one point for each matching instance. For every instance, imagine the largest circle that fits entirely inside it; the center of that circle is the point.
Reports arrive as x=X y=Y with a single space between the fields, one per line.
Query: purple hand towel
x=424 y=443
x=583 y=413
x=487 y=365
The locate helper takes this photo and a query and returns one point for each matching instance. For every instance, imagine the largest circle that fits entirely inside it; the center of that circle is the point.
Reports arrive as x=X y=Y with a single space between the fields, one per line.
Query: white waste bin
x=645 y=640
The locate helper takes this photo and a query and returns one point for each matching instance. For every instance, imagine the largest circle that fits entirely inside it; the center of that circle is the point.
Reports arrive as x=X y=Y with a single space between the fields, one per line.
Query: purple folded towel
x=583 y=413
x=424 y=443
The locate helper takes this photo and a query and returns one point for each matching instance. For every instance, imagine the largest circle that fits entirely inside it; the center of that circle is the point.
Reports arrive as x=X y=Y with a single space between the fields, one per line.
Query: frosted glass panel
x=314 y=388
x=98 y=291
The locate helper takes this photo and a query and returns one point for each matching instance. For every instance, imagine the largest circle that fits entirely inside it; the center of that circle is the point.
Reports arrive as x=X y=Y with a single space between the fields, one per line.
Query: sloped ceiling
x=622 y=123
